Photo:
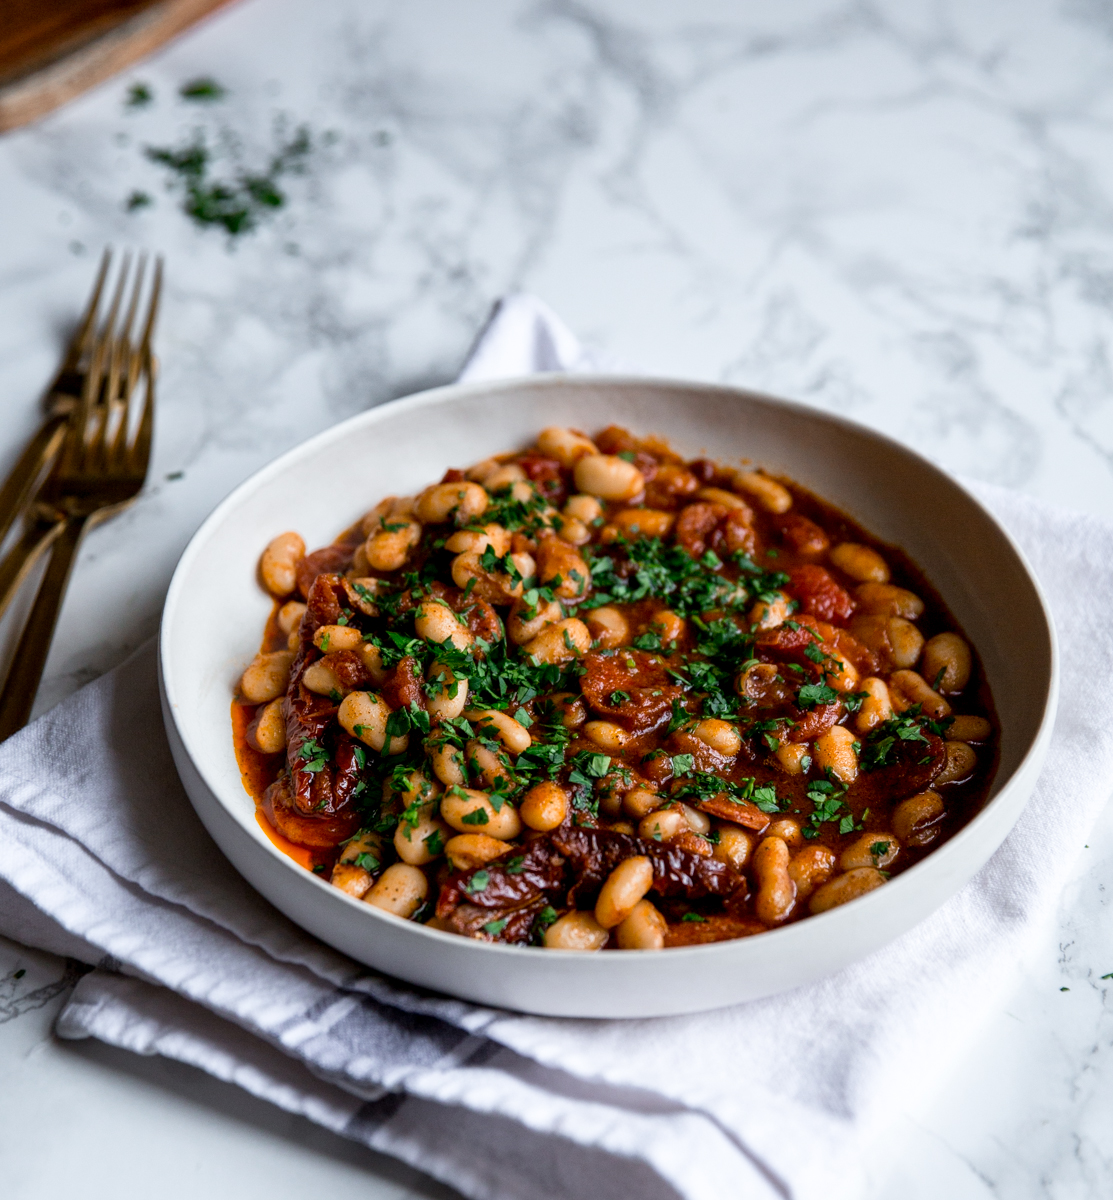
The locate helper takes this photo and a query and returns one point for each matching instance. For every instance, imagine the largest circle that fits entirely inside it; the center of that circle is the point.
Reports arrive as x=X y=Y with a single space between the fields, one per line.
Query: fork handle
x=18 y=697
x=15 y=565
x=41 y=450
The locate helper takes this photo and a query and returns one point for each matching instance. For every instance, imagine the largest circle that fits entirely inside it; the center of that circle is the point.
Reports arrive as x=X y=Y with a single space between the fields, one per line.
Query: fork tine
x=152 y=306
x=76 y=446
x=80 y=338
x=119 y=390
x=114 y=331
x=139 y=453
x=142 y=360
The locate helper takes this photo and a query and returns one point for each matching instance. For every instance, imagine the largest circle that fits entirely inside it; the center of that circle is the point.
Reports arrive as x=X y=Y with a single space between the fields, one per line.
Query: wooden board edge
x=26 y=99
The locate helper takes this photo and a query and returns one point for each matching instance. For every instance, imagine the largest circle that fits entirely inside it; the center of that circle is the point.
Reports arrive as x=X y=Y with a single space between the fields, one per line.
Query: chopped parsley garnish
x=204 y=88
x=693 y=917
x=812 y=694
x=827 y=805
x=669 y=573
x=546 y=917
x=494 y=928
x=478 y=882
x=139 y=96
x=367 y=861
x=314 y=756
x=587 y=767
x=702 y=786
x=683 y=764
x=881 y=742
x=238 y=202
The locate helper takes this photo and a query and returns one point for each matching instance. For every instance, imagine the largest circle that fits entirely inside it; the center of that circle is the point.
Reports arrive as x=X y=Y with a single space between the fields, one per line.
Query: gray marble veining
x=898 y=210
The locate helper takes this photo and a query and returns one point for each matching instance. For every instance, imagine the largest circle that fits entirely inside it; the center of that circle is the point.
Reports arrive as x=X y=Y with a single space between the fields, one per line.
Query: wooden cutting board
x=53 y=50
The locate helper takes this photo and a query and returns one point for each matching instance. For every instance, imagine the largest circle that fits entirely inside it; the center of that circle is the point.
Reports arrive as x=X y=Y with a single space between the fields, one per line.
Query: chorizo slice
x=915 y=766
x=740 y=812
x=630 y=687
x=819 y=593
x=800 y=534
x=718 y=928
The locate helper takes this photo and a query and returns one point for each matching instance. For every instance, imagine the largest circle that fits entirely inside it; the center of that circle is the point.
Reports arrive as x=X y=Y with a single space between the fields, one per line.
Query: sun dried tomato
x=549 y=476
x=320 y=830
x=331 y=560
x=402 y=686
x=511 y=925
x=569 y=865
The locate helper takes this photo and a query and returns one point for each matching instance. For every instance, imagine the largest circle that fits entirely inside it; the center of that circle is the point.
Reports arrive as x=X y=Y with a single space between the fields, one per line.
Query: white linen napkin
x=102 y=859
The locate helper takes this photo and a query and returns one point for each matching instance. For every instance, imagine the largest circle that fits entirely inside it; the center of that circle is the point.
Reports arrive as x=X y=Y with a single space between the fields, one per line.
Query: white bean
x=567 y=446
x=478 y=540
x=435 y=622
x=844 y=888
x=771 y=495
x=364 y=715
x=470 y=811
x=526 y=622
x=907 y=688
x=834 y=752
x=400 y=890
x=609 y=627
x=622 y=889
x=452 y=698
x=644 y=929
x=947 y=662
x=720 y=736
x=462 y=502
x=576 y=931
x=860 y=562
x=267 y=678
x=776 y=894
x=561 y=642
x=876 y=707
x=544 y=806
x=583 y=508
x=607 y=735
x=267 y=732
x=608 y=477
x=337 y=637
x=279 y=563
x=513 y=734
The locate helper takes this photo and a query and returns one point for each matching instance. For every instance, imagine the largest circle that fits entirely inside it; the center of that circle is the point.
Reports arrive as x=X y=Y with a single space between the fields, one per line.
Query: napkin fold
x=102 y=859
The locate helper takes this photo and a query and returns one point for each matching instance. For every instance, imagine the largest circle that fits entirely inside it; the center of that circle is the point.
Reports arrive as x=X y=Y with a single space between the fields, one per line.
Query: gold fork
x=90 y=375
x=62 y=396
x=100 y=470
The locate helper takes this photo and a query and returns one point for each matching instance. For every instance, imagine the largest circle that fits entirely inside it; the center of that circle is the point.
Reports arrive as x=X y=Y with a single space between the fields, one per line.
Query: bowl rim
x=937 y=861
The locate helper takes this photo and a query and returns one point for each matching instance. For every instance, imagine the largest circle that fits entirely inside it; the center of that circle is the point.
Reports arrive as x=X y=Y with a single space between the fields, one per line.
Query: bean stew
x=593 y=696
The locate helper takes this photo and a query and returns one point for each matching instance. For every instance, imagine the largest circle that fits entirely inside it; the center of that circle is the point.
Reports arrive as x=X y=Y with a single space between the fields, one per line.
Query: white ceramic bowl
x=215 y=613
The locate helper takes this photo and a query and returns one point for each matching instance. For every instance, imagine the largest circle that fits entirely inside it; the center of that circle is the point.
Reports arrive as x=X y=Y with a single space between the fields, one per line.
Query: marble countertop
x=902 y=211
